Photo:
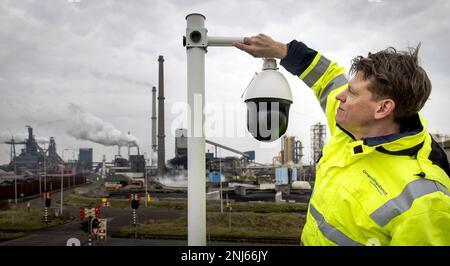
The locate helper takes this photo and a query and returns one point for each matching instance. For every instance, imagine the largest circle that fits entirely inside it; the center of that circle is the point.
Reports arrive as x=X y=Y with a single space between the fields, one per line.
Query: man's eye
x=351 y=91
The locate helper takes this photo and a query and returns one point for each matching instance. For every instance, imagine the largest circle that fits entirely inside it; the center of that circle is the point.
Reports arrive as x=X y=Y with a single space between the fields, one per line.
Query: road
x=59 y=235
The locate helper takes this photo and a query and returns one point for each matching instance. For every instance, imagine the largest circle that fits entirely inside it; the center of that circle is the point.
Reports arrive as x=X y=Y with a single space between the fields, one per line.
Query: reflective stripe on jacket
x=389 y=190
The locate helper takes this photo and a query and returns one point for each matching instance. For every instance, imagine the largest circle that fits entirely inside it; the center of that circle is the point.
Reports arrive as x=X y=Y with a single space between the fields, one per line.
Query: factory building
x=291 y=150
x=180 y=159
x=137 y=163
x=33 y=158
x=30 y=156
x=85 y=158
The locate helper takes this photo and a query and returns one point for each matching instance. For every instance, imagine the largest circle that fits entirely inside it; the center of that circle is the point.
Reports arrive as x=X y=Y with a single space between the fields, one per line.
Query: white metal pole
x=220 y=176
x=15 y=184
x=145 y=174
x=45 y=172
x=40 y=178
x=196 y=49
x=154 y=143
x=15 y=181
x=62 y=185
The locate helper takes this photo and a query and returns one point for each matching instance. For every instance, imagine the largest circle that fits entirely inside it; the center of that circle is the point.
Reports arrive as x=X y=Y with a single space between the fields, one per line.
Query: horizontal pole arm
x=223 y=41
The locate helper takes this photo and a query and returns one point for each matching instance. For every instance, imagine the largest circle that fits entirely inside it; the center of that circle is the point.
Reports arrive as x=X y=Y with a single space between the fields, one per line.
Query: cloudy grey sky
x=83 y=69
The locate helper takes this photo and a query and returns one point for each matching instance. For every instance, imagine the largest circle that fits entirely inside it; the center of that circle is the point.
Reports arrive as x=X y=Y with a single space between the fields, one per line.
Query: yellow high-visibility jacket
x=387 y=190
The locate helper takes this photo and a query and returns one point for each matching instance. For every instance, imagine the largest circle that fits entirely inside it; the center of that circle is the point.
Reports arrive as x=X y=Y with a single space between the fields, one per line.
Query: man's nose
x=341 y=96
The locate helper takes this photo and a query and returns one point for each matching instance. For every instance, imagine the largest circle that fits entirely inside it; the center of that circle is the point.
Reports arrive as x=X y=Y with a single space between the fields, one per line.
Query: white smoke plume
x=42 y=140
x=86 y=126
x=179 y=180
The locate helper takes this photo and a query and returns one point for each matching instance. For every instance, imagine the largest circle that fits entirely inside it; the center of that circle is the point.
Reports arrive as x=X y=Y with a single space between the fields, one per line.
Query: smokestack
x=104 y=167
x=31 y=145
x=129 y=146
x=153 y=122
x=52 y=147
x=30 y=132
x=161 y=144
x=118 y=150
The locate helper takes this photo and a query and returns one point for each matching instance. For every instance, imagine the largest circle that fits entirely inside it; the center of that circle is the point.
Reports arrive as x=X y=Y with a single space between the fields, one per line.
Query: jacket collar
x=409 y=127
x=408 y=142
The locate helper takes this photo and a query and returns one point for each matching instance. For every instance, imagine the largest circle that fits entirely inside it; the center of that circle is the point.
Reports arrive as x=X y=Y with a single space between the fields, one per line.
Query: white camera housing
x=268 y=98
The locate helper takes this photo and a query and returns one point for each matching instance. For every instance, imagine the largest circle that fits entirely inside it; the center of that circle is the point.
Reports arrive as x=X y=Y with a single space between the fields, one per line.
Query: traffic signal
x=82 y=214
x=89 y=212
x=90 y=225
x=134 y=198
x=48 y=198
x=95 y=225
x=97 y=211
x=134 y=204
x=48 y=201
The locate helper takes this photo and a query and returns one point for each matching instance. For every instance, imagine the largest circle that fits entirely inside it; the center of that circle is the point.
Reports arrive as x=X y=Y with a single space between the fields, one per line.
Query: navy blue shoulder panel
x=409 y=126
x=298 y=58
x=407 y=152
x=438 y=157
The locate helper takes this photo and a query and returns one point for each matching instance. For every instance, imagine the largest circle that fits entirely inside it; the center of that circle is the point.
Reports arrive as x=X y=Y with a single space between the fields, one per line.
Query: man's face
x=356 y=110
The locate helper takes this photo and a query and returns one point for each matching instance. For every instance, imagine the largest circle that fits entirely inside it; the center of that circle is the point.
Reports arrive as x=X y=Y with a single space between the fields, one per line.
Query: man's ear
x=385 y=108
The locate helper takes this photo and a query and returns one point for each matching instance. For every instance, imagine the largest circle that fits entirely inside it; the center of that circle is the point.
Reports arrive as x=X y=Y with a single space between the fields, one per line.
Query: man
x=382 y=179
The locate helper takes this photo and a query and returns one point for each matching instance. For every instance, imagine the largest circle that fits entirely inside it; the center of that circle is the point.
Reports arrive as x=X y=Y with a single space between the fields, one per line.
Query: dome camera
x=268 y=98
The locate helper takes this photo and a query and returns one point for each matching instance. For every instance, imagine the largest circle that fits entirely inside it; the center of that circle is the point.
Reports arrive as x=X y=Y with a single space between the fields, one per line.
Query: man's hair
x=395 y=75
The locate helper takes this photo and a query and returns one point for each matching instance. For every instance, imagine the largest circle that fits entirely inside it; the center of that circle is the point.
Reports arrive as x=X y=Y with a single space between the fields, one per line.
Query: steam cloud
x=86 y=126
x=174 y=181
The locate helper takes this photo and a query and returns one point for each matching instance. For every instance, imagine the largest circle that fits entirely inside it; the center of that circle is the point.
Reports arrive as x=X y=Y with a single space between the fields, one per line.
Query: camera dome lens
x=267 y=121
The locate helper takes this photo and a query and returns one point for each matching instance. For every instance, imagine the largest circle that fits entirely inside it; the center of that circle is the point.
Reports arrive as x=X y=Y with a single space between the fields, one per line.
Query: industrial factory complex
x=35 y=170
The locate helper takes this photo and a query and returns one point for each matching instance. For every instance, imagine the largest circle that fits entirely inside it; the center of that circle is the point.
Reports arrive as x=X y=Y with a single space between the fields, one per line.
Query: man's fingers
x=247 y=40
x=241 y=46
x=262 y=35
x=246 y=48
x=257 y=46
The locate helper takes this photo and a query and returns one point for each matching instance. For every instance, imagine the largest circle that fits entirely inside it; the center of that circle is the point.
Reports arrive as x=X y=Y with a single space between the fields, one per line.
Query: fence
x=32 y=188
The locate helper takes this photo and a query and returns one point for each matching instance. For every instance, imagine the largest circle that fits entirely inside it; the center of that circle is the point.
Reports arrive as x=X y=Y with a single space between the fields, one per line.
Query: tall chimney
x=161 y=136
x=128 y=145
x=30 y=132
x=104 y=167
x=31 y=145
x=153 y=122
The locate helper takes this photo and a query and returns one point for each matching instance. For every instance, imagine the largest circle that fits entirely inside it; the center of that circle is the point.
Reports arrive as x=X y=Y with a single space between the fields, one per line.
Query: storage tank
x=301 y=185
x=285 y=175
x=215 y=177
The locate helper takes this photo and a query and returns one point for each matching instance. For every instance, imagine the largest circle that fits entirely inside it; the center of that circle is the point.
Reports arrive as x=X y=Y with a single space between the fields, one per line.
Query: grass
x=18 y=221
x=250 y=221
x=243 y=226
x=81 y=201
x=181 y=204
x=259 y=207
